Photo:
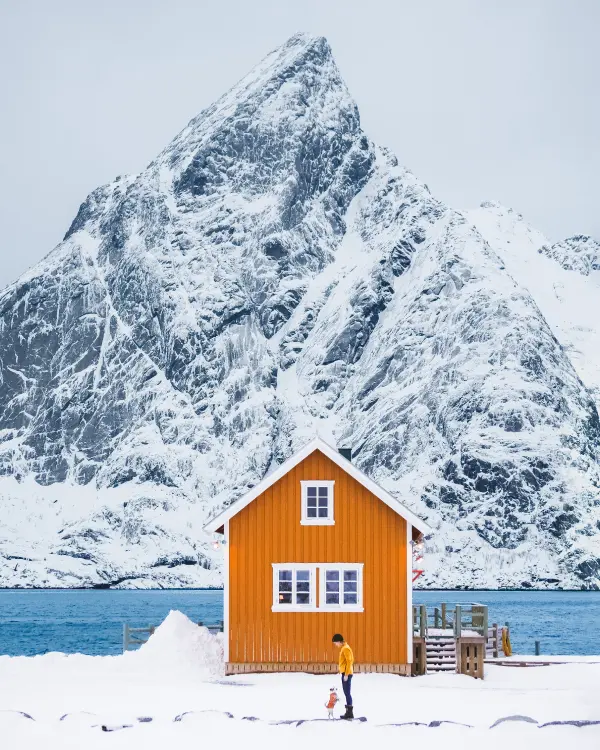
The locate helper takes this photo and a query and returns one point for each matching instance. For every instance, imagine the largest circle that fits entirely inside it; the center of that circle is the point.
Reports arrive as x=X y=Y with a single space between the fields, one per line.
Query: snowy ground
x=177 y=674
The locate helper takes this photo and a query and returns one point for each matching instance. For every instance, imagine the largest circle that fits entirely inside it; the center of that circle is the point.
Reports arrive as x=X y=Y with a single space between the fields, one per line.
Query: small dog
x=330 y=705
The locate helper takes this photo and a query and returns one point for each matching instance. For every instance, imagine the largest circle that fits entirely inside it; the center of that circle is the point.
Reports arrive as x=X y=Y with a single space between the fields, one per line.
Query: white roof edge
x=331 y=453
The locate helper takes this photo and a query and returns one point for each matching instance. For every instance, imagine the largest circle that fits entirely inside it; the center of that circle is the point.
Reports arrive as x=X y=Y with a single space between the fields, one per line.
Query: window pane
x=331 y=598
x=302 y=598
x=332 y=575
x=350 y=575
x=285 y=585
x=285 y=598
x=311 y=502
x=311 y=492
x=350 y=598
x=323 y=502
x=350 y=586
x=332 y=586
x=303 y=575
x=303 y=586
x=323 y=492
x=323 y=512
x=311 y=512
x=285 y=575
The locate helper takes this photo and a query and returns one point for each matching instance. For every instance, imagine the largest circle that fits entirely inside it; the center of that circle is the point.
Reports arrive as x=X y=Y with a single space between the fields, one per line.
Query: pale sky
x=482 y=99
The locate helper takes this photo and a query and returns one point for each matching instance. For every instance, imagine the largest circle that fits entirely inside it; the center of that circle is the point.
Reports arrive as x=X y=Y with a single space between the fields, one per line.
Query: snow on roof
x=331 y=453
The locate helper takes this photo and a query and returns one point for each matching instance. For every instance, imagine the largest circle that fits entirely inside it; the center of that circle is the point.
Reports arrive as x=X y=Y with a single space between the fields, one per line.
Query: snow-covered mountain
x=274 y=274
x=563 y=279
x=580 y=253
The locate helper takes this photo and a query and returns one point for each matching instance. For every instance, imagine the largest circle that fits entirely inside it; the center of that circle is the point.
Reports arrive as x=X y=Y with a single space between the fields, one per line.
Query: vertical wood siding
x=269 y=531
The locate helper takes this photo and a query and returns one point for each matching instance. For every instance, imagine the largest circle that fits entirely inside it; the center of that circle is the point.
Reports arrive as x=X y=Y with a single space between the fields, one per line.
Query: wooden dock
x=549 y=661
x=454 y=638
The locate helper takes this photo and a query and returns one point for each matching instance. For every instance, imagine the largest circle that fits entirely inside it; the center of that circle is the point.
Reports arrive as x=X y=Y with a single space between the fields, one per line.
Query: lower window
x=341 y=587
x=295 y=587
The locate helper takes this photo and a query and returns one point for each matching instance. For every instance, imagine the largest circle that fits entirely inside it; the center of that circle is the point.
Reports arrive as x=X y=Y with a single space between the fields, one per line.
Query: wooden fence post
x=436 y=617
x=444 y=616
x=423 y=630
x=457 y=621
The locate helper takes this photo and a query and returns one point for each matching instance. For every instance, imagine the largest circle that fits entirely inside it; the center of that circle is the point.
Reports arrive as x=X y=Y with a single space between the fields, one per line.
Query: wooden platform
x=534 y=662
x=315 y=668
x=464 y=655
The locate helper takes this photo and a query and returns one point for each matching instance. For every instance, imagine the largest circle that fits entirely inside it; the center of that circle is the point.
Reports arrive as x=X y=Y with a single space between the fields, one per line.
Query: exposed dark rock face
x=273 y=274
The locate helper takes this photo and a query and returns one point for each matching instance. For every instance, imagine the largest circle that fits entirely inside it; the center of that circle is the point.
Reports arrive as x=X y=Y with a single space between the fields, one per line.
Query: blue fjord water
x=91 y=622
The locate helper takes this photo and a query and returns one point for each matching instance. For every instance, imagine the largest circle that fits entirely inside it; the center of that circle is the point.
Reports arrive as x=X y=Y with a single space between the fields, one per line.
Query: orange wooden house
x=314 y=549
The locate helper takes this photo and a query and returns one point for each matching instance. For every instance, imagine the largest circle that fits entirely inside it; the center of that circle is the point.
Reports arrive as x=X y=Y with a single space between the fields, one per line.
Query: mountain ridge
x=273 y=274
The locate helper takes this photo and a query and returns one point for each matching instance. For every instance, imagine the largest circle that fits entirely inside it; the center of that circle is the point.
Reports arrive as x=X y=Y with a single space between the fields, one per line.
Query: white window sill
x=317 y=522
x=292 y=608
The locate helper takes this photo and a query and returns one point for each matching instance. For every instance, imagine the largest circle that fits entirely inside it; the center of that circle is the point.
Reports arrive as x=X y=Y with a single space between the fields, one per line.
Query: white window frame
x=304 y=519
x=294 y=567
x=341 y=607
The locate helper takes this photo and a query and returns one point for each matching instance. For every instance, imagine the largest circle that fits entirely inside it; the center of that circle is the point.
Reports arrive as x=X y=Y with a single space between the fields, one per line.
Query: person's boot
x=349 y=713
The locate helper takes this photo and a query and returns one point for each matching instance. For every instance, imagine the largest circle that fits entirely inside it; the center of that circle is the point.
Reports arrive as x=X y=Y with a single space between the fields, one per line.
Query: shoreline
x=220 y=588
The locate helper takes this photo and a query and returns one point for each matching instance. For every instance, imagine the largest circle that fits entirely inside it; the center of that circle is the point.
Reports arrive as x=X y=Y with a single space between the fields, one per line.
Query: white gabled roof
x=347 y=466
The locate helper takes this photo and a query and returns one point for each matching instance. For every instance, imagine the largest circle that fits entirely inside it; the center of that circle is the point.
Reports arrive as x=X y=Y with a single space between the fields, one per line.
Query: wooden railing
x=467 y=623
x=455 y=618
x=133 y=637
x=494 y=649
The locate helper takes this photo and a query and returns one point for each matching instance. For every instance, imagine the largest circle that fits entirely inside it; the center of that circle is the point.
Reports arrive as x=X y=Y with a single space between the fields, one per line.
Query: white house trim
x=329 y=520
x=409 y=594
x=341 y=607
x=331 y=453
x=312 y=605
x=226 y=592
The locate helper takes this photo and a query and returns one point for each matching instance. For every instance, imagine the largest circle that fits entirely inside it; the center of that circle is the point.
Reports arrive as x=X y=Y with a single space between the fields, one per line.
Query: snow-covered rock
x=270 y=275
x=569 y=301
x=580 y=253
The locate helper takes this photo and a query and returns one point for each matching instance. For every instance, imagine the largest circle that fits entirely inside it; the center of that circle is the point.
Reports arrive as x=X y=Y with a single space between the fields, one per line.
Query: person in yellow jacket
x=346 y=662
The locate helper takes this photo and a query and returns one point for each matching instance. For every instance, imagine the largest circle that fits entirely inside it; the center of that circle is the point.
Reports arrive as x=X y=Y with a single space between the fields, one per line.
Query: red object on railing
x=417 y=557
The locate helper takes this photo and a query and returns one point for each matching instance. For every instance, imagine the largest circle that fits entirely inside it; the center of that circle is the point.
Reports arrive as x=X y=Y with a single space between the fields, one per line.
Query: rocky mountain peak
x=272 y=275
x=282 y=91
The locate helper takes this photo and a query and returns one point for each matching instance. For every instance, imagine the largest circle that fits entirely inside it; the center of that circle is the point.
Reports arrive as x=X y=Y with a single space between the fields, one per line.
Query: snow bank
x=164 y=696
x=178 y=644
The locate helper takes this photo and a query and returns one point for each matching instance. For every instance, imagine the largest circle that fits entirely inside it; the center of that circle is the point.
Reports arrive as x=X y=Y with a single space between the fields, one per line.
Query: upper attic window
x=317 y=503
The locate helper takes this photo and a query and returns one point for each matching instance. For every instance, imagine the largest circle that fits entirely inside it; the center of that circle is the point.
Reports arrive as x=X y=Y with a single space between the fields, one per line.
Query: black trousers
x=346 y=687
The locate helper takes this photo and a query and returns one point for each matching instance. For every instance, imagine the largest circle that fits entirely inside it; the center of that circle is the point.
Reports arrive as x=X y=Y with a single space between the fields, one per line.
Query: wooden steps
x=441 y=653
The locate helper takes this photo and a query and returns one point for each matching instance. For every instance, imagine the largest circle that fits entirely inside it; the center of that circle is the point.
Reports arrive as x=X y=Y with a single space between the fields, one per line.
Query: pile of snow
x=178 y=644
